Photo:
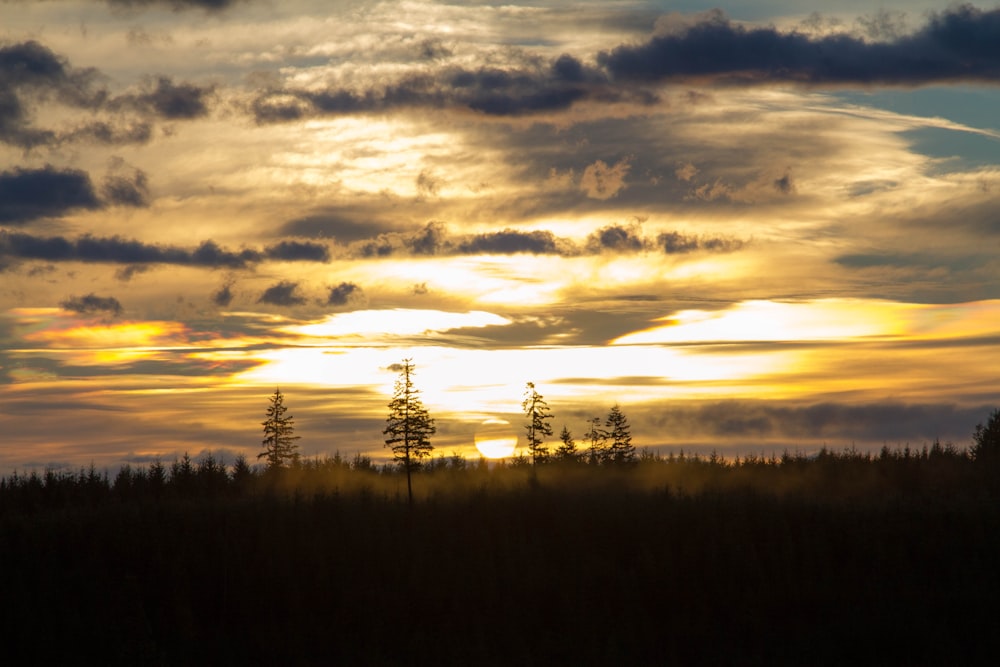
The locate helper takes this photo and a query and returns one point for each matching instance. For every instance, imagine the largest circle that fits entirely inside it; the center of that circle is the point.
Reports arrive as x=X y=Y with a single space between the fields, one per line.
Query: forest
x=839 y=557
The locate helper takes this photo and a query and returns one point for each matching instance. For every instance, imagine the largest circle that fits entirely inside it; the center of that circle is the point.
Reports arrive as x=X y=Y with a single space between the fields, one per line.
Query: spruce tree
x=408 y=426
x=279 y=442
x=620 y=449
x=538 y=414
x=566 y=451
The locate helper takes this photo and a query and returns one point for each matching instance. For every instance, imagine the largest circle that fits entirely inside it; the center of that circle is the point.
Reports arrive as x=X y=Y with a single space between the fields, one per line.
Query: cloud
x=617 y=238
x=178 y=5
x=344 y=294
x=33 y=76
x=429 y=241
x=224 y=295
x=168 y=100
x=30 y=72
x=91 y=303
x=674 y=243
x=428 y=185
x=295 y=251
x=110 y=132
x=115 y=249
x=510 y=241
x=785 y=185
x=922 y=261
x=126 y=273
x=343 y=223
x=282 y=294
x=490 y=90
x=959 y=44
x=599 y=181
x=879 y=422
x=685 y=172
x=29 y=194
x=125 y=185
x=435 y=239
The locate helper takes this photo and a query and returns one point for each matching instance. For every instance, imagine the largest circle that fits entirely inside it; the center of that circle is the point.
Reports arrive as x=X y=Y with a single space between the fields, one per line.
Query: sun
x=495 y=439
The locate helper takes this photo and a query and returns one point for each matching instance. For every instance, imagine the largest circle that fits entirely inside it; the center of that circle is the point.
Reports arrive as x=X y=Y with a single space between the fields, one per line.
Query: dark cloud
x=295 y=251
x=32 y=76
x=282 y=294
x=784 y=185
x=169 y=100
x=118 y=250
x=837 y=422
x=224 y=295
x=676 y=243
x=91 y=303
x=435 y=239
x=344 y=224
x=30 y=73
x=209 y=253
x=29 y=194
x=617 y=238
x=489 y=90
x=510 y=241
x=921 y=261
x=430 y=240
x=126 y=186
x=345 y=293
x=126 y=273
x=128 y=131
x=961 y=43
x=178 y=5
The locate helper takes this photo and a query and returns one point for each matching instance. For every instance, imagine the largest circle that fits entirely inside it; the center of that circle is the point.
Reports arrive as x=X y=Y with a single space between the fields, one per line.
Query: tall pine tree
x=538 y=414
x=408 y=426
x=279 y=439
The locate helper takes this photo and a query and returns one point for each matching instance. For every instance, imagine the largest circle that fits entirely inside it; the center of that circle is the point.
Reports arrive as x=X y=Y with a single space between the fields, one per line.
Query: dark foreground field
x=807 y=562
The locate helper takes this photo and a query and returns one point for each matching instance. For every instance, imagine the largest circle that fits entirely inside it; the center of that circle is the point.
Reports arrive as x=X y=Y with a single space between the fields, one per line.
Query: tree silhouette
x=986 y=440
x=408 y=426
x=538 y=414
x=619 y=433
x=279 y=442
x=596 y=438
x=566 y=451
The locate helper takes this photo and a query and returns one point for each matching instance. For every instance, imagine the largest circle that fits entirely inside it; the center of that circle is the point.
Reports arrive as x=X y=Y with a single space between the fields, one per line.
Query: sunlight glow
x=495 y=439
x=774 y=321
x=115 y=335
x=394 y=322
x=823 y=319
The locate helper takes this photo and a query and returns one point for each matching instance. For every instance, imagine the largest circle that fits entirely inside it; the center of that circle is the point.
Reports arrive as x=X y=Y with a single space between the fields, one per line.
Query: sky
x=755 y=226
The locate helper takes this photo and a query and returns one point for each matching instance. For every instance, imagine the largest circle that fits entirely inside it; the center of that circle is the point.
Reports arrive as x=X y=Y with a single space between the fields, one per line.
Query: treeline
x=838 y=557
x=832 y=559
x=827 y=476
